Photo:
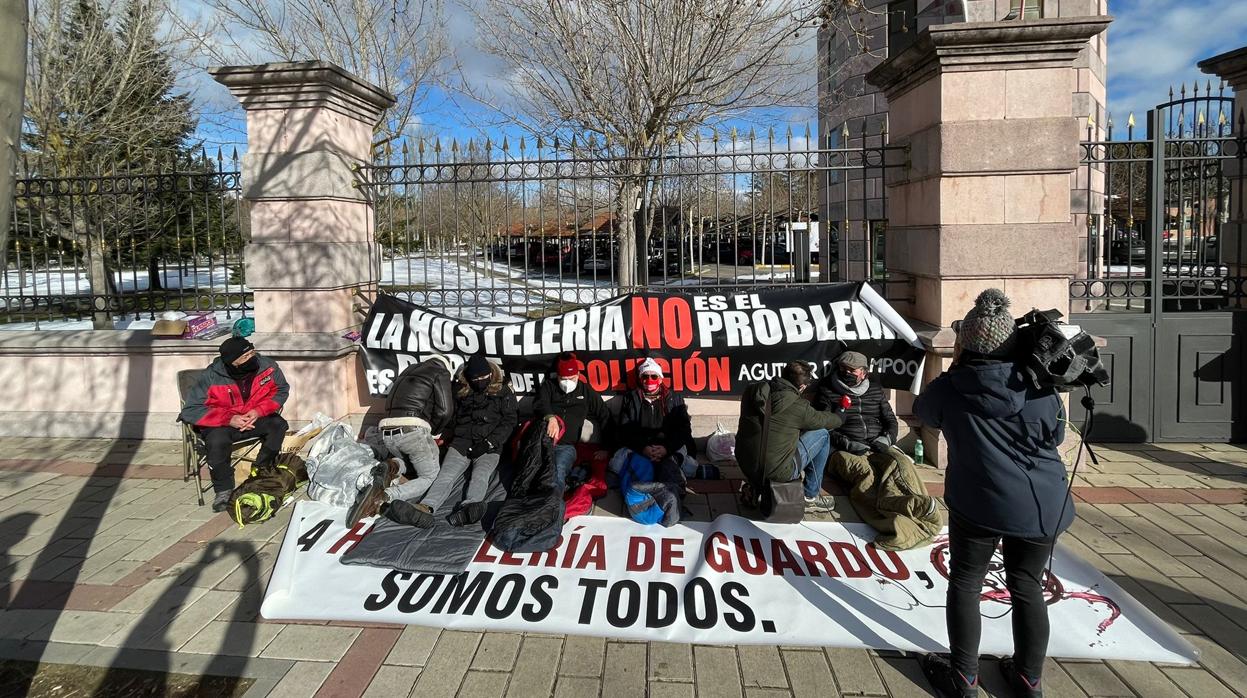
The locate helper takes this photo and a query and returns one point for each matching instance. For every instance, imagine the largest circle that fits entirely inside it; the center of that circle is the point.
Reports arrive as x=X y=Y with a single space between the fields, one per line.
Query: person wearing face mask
x=237 y=397
x=654 y=421
x=884 y=486
x=869 y=422
x=485 y=416
x=566 y=403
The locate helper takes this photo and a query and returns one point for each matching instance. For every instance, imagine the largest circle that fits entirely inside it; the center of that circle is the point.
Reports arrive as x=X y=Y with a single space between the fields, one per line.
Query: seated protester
x=884 y=487
x=789 y=443
x=485 y=416
x=237 y=397
x=570 y=399
x=652 y=483
x=869 y=422
x=653 y=416
x=419 y=407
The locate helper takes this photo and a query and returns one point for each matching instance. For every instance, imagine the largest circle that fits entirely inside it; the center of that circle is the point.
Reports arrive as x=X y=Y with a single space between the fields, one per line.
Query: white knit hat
x=649 y=366
x=445 y=361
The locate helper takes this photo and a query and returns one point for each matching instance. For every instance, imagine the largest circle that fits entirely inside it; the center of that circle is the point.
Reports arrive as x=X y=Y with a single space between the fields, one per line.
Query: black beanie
x=478 y=367
x=233 y=348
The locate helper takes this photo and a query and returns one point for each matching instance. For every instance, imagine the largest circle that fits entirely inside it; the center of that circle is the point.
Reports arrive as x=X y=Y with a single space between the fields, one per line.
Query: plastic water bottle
x=918 y=451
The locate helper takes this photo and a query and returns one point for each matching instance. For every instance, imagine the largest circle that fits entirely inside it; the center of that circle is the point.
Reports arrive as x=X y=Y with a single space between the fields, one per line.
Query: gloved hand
x=857 y=448
x=880 y=444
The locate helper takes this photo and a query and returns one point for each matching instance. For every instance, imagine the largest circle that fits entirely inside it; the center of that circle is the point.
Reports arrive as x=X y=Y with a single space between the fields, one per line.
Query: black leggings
x=970 y=552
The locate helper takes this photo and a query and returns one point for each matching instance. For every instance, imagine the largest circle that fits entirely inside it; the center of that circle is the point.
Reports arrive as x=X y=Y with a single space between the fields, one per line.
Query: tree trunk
x=625 y=207
x=154 y=282
x=12 y=97
x=101 y=284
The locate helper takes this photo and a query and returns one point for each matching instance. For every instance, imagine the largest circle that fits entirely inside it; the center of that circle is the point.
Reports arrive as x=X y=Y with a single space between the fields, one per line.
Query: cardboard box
x=292 y=444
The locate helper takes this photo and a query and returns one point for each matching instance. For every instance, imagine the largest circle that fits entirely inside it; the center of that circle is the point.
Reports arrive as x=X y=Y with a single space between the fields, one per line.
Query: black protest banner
x=707 y=344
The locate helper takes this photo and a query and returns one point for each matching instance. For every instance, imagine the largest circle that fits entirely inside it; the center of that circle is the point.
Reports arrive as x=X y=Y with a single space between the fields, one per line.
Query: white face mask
x=568 y=384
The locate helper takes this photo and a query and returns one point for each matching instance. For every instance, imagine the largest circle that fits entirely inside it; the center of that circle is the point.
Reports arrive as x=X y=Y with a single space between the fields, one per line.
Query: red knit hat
x=568 y=366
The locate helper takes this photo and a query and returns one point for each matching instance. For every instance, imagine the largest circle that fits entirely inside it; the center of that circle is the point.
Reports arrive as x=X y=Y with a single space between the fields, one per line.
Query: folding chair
x=195 y=451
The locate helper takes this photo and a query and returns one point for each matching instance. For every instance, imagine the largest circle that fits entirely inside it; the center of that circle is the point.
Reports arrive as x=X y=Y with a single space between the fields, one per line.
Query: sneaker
x=945 y=681
x=221 y=501
x=408 y=514
x=1018 y=684
x=820 y=504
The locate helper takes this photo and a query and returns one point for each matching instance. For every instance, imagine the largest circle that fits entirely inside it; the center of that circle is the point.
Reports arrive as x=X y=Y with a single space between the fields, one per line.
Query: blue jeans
x=812 y=451
x=564 y=459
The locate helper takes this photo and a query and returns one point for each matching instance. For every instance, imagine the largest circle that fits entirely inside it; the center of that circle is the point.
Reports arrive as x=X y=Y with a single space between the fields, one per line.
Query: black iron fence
x=491 y=230
x=125 y=245
x=1160 y=208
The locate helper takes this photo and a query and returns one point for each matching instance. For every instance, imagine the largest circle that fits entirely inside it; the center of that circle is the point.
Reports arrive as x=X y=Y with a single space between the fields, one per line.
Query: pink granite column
x=986 y=109
x=309 y=125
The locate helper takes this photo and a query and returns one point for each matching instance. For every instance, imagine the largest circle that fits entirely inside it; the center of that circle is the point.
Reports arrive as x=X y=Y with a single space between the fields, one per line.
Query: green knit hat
x=988 y=328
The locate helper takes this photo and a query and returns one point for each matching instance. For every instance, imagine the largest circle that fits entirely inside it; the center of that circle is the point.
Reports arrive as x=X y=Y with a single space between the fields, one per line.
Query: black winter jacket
x=573 y=408
x=483 y=421
x=1004 y=472
x=869 y=416
x=423 y=390
x=665 y=420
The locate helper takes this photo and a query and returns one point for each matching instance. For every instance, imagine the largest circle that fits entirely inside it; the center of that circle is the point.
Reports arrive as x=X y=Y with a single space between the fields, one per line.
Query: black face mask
x=479 y=384
x=849 y=379
x=247 y=368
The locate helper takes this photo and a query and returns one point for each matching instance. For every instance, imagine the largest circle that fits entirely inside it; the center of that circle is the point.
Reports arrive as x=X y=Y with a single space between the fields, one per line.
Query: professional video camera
x=1053 y=354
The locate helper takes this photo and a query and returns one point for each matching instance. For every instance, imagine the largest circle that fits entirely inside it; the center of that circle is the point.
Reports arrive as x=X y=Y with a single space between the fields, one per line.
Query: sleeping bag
x=652 y=491
x=531 y=519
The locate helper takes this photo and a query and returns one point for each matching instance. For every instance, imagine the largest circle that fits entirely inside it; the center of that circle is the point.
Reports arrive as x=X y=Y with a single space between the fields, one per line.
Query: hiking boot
x=820 y=504
x=388 y=470
x=467 y=514
x=1019 y=685
x=368 y=503
x=946 y=681
x=408 y=514
x=221 y=501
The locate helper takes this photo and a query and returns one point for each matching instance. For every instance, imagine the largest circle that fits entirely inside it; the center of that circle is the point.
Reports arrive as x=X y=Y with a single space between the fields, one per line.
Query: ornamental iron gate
x=1164 y=276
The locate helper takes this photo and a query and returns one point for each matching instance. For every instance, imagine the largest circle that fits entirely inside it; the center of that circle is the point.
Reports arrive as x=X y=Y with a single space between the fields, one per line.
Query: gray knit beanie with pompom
x=988 y=328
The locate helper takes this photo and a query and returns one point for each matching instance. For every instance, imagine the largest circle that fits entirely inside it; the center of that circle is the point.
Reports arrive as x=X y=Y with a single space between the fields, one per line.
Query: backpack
x=1053 y=354
x=263 y=493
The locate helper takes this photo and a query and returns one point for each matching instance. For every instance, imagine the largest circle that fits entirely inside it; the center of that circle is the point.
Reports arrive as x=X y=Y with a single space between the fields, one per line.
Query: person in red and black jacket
x=239 y=396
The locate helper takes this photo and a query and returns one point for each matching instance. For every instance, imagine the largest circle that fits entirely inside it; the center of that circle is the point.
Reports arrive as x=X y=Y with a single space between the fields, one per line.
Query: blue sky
x=1153 y=44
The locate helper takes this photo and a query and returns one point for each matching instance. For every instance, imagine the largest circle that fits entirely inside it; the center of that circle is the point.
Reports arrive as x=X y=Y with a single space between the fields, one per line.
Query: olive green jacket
x=791 y=415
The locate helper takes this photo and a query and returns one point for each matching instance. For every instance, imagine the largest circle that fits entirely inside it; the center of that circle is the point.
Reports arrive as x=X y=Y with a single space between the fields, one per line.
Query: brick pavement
x=106 y=560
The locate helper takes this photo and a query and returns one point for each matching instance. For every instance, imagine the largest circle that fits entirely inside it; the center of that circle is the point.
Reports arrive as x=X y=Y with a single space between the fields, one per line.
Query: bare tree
x=399 y=45
x=99 y=102
x=640 y=74
x=12 y=91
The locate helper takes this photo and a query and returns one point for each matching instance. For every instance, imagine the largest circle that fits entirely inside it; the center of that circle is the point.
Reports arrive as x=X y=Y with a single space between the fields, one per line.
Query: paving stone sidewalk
x=106 y=560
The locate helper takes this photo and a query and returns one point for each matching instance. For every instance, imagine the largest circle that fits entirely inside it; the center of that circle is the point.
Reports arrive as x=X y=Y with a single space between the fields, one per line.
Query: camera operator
x=1005 y=480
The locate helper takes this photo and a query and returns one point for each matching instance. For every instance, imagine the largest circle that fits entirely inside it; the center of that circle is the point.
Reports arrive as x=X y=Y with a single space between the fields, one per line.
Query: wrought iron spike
x=1201 y=118
x=219 y=157
x=1182 y=90
x=1221 y=119
x=606 y=139
x=540 y=142
x=234 y=155
x=1195 y=88
x=557 y=143
x=1130 y=121
x=807 y=132
x=592 y=141
x=573 y=143
x=437 y=145
x=489 y=146
x=404 y=149
x=505 y=146
x=752 y=136
x=454 y=145
x=523 y=144
x=420 y=146
x=714 y=135
x=1171 y=93
x=788 y=133
x=733 y=134
x=844 y=133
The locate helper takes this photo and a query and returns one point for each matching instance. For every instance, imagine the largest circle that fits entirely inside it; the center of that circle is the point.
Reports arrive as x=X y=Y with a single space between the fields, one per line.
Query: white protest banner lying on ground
x=730 y=581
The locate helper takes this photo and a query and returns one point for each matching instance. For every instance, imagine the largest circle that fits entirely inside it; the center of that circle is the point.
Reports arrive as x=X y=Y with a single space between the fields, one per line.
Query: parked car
x=1132 y=250
x=599 y=266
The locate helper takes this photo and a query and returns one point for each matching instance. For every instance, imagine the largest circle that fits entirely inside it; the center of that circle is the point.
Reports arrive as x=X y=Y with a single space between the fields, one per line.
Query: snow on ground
x=129 y=323
x=58 y=282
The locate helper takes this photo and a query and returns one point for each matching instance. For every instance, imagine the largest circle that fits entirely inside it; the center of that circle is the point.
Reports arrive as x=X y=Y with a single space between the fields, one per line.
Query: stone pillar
x=309 y=124
x=1232 y=68
x=986 y=109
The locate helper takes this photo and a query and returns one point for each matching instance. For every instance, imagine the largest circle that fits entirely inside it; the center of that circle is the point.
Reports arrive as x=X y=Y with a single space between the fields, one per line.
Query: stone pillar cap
x=1230 y=66
x=305 y=84
x=968 y=46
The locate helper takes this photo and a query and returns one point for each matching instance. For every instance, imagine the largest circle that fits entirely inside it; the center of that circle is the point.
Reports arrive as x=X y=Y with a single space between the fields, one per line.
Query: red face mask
x=651 y=383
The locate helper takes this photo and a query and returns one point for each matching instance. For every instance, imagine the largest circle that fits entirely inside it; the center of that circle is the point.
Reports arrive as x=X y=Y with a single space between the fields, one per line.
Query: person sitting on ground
x=568 y=398
x=420 y=406
x=239 y=396
x=885 y=489
x=654 y=421
x=485 y=416
x=1005 y=480
x=869 y=422
x=782 y=438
